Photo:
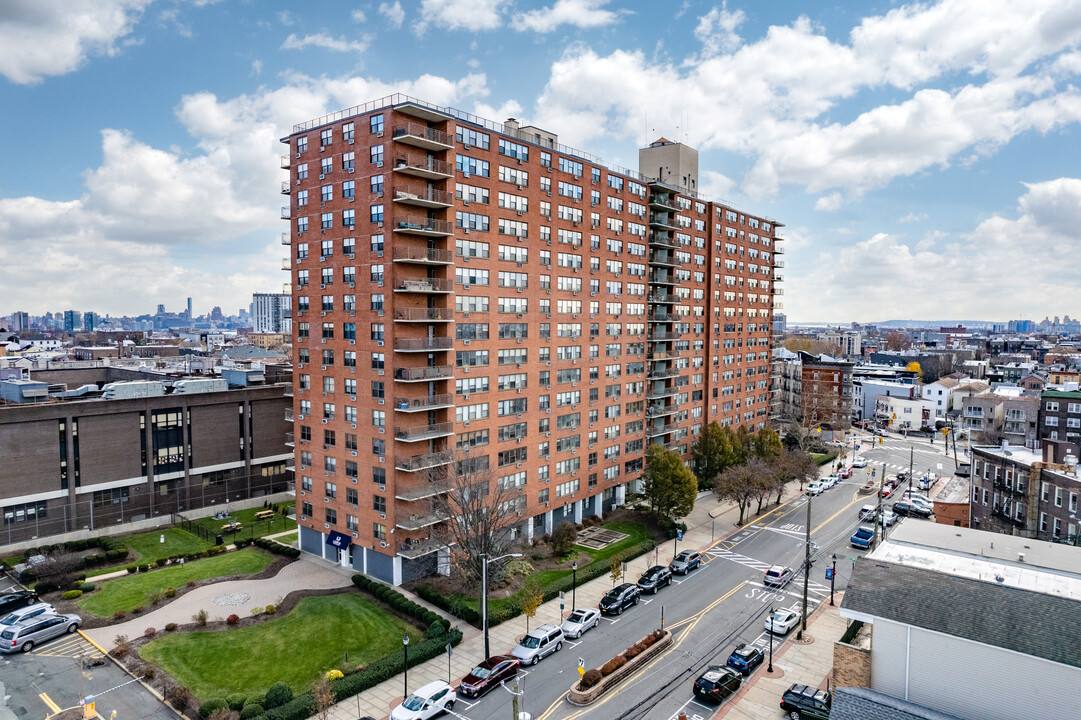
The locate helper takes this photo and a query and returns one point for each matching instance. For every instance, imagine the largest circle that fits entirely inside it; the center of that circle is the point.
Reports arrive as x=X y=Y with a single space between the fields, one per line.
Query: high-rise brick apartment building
x=464 y=285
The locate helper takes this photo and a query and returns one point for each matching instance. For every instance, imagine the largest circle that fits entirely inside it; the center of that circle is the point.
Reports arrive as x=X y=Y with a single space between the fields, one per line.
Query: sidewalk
x=707 y=523
x=804 y=663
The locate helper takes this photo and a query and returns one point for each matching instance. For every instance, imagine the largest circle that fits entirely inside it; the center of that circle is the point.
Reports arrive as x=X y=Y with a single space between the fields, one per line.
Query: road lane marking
x=48 y=701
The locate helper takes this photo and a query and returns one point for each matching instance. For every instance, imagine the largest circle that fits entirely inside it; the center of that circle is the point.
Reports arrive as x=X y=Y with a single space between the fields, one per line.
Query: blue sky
x=923 y=157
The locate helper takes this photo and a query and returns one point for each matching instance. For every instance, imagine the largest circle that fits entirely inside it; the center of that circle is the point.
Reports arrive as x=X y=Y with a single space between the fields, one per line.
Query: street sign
x=679 y=534
x=581 y=663
x=829 y=573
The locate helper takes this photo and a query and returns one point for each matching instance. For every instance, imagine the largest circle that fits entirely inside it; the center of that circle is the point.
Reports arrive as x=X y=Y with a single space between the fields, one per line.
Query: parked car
x=778 y=576
x=888 y=518
x=860 y=462
x=619 y=598
x=745 y=658
x=829 y=481
x=801 y=702
x=539 y=644
x=717 y=683
x=580 y=620
x=685 y=562
x=488 y=675
x=862 y=537
x=654 y=579
x=26 y=613
x=927 y=481
x=24 y=636
x=902 y=476
x=919 y=500
x=846 y=473
x=18 y=599
x=868 y=512
x=887 y=490
x=433 y=699
x=782 y=621
x=815 y=488
x=908 y=509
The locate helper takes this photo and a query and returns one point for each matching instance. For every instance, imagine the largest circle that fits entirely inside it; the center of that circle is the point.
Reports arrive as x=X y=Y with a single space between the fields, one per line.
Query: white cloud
x=974 y=275
x=42 y=38
x=829 y=203
x=715 y=184
x=913 y=217
x=256 y=67
x=393 y=12
x=716 y=30
x=579 y=13
x=286 y=18
x=471 y=15
x=358 y=16
x=322 y=40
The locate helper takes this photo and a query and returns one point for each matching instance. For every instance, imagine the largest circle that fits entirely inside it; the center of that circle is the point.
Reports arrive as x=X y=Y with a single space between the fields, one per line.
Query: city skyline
x=914 y=152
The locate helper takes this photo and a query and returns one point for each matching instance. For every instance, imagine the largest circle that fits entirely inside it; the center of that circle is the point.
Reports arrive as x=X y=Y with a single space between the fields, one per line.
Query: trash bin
x=218 y=540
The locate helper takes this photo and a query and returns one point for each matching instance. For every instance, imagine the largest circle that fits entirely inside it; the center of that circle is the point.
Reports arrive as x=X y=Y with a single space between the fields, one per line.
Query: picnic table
x=232 y=527
x=264 y=514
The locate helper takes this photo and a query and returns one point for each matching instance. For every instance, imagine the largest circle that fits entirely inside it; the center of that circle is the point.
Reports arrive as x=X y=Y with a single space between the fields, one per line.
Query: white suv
x=539 y=644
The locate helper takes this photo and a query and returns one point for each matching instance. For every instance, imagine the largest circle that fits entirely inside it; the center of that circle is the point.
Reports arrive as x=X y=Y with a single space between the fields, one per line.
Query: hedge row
x=275 y=547
x=511 y=608
x=385 y=668
x=400 y=602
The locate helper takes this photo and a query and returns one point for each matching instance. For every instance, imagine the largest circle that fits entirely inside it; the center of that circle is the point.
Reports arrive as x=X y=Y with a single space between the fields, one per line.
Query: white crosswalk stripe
x=741 y=559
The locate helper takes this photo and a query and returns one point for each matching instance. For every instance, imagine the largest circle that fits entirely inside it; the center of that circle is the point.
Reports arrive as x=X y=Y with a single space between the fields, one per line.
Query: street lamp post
x=770 y=633
x=833 y=577
x=405 y=675
x=574 y=583
x=484 y=593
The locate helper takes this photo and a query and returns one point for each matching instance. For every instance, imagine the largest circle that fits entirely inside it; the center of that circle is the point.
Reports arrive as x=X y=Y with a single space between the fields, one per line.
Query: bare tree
x=322 y=699
x=739 y=484
x=478 y=514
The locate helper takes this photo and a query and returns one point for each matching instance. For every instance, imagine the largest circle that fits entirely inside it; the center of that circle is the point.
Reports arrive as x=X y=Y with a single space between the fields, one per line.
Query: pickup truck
x=862 y=538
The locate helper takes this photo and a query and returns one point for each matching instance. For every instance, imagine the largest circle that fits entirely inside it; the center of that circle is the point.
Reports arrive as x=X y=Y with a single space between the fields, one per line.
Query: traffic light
x=945 y=431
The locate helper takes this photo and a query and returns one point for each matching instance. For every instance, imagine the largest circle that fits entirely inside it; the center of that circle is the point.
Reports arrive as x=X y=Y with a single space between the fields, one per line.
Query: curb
x=132 y=675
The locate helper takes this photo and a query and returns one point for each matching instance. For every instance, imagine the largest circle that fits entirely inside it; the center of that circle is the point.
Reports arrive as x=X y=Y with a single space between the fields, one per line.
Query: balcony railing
x=423 y=136
x=417 y=433
x=420 y=225
x=285 y=161
x=423 y=166
x=656 y=430
x=657 y=409
x=289 y=439
x=289 y=415
x=662 y=317
x=285 y=238
x=663 y=220
x=415 y=521
x=414 y=549
x=662 y=240
x=423 y=314
x=412 y=493
x=429 y=198
x=662 y=278
x=422 y=255
x=413 y=463
x=286 y=265
x=663 y=260
x=423 y=344
x=663 y=298
x=419 y=374
x=287 y=389
x=285 y=187
x=285 y=213
x=664 y=392
x=417 y=404
x=663 y=201
x=661 y=374
x=424 y=285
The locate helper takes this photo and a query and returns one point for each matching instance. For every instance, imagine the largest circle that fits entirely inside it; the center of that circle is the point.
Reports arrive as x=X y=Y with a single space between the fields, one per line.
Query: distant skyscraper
x=90 y=321
x=161 y=309
x=20 y=321
x=72 y=320
x=215 y=314
x=189 y=308
x=270 y=312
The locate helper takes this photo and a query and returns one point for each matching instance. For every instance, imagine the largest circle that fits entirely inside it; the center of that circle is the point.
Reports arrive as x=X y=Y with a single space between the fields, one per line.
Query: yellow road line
x=99 y=647
x=697 y=617
x=48 y=701
x=855 y=499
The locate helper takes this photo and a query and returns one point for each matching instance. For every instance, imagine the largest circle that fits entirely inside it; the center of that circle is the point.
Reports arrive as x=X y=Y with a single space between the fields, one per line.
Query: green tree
x=668 y=485
x=532 y=597
x=615 y=569
x=738 y=484
x=711 y=453
x=767 y=444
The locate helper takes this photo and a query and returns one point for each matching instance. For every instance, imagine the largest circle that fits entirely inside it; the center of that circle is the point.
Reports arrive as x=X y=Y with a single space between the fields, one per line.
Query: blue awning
x=338 y=540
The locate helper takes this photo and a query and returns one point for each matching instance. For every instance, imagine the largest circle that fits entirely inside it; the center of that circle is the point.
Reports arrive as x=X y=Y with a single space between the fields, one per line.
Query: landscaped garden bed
x=596 y=682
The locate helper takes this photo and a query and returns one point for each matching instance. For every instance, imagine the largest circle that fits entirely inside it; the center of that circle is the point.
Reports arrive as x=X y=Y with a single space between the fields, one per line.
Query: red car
x=488 y=675
x=846 y=473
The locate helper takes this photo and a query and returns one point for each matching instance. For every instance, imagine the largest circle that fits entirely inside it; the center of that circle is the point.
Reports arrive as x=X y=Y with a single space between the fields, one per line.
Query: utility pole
x=911 y=451
x=878 y=512
x=806 y=571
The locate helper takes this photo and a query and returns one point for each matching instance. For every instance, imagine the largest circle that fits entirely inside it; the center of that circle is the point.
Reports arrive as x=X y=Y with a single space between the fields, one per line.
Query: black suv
x=654 y=579
x=717 y=683
x=907 y=509
x=801 y=701
x=15 y=600
x=618 y=598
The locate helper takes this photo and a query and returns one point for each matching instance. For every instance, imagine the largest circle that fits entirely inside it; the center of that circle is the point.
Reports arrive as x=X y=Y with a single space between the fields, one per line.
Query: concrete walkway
x=709 y=522
x=225 y=598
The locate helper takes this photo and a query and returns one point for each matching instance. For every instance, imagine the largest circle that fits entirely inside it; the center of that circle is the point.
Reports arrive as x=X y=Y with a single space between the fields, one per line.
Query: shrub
x=160 y=562
x=149 y=672
x=333 y=675
x=211 y=705
x=137 y=609
x=255 y=700
x=119 y=615
x=87 y=587
x=224 y=714
x=232 y=619
x=120 y=651
x=45 y=586
x=169 y=627
x=633 y=651
x=612 y=665
x=179 y=696
x=591 y=678
x=189 y=583
x=170 y=593
x=155 y=596
x=71 y=594
x=144 y=567
x=270 y=609
x=132 y=569
x=150 y=632
x=278 y=694
x=435 y=630
x=200 y=617
x=236 y=700
x=251 y=710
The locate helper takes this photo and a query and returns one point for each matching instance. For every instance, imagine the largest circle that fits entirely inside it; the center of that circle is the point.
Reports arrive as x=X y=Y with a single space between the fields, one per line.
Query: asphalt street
x=716 y=607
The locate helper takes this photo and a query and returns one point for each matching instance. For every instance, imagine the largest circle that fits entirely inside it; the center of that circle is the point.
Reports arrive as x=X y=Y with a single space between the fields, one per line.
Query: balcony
x=423 y=166
x=663 y=201
x=412 y=493
x=415 y=521
x=662 y=393
x=413 y=463
x=664 y=298
x=433 y=344
x=657 y=430
x=285 y=238
x=420 y=225
x=289 y=440
x=662 y=278
x=423 y=315
x=662 y=241
x=662 y=318
x=291 y=465
x=287 y=389
x=285 y=213
x=416 y=433
x=285 y=162
x=424 y=285
x=426 y=199
x=422 y=256
x=662 y=221
x=285 y=187
x=662 y=374
x=423 y=137
x=778 y=263
x=657 y=409
x=414 y=549
x=424 y=374
x=778 y=291
x=289 y=415
x=973 y=412
x=662 y=336
x=286 y=265
x=669 y=355
x=778 y=278
x=665 y=259
x=420 y=404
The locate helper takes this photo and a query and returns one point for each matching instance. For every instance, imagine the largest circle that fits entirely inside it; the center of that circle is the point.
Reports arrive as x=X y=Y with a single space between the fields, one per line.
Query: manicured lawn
x=287 y=539
x=132 y=591
x=295 y=649
x=148 y=547
x=252 y=528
